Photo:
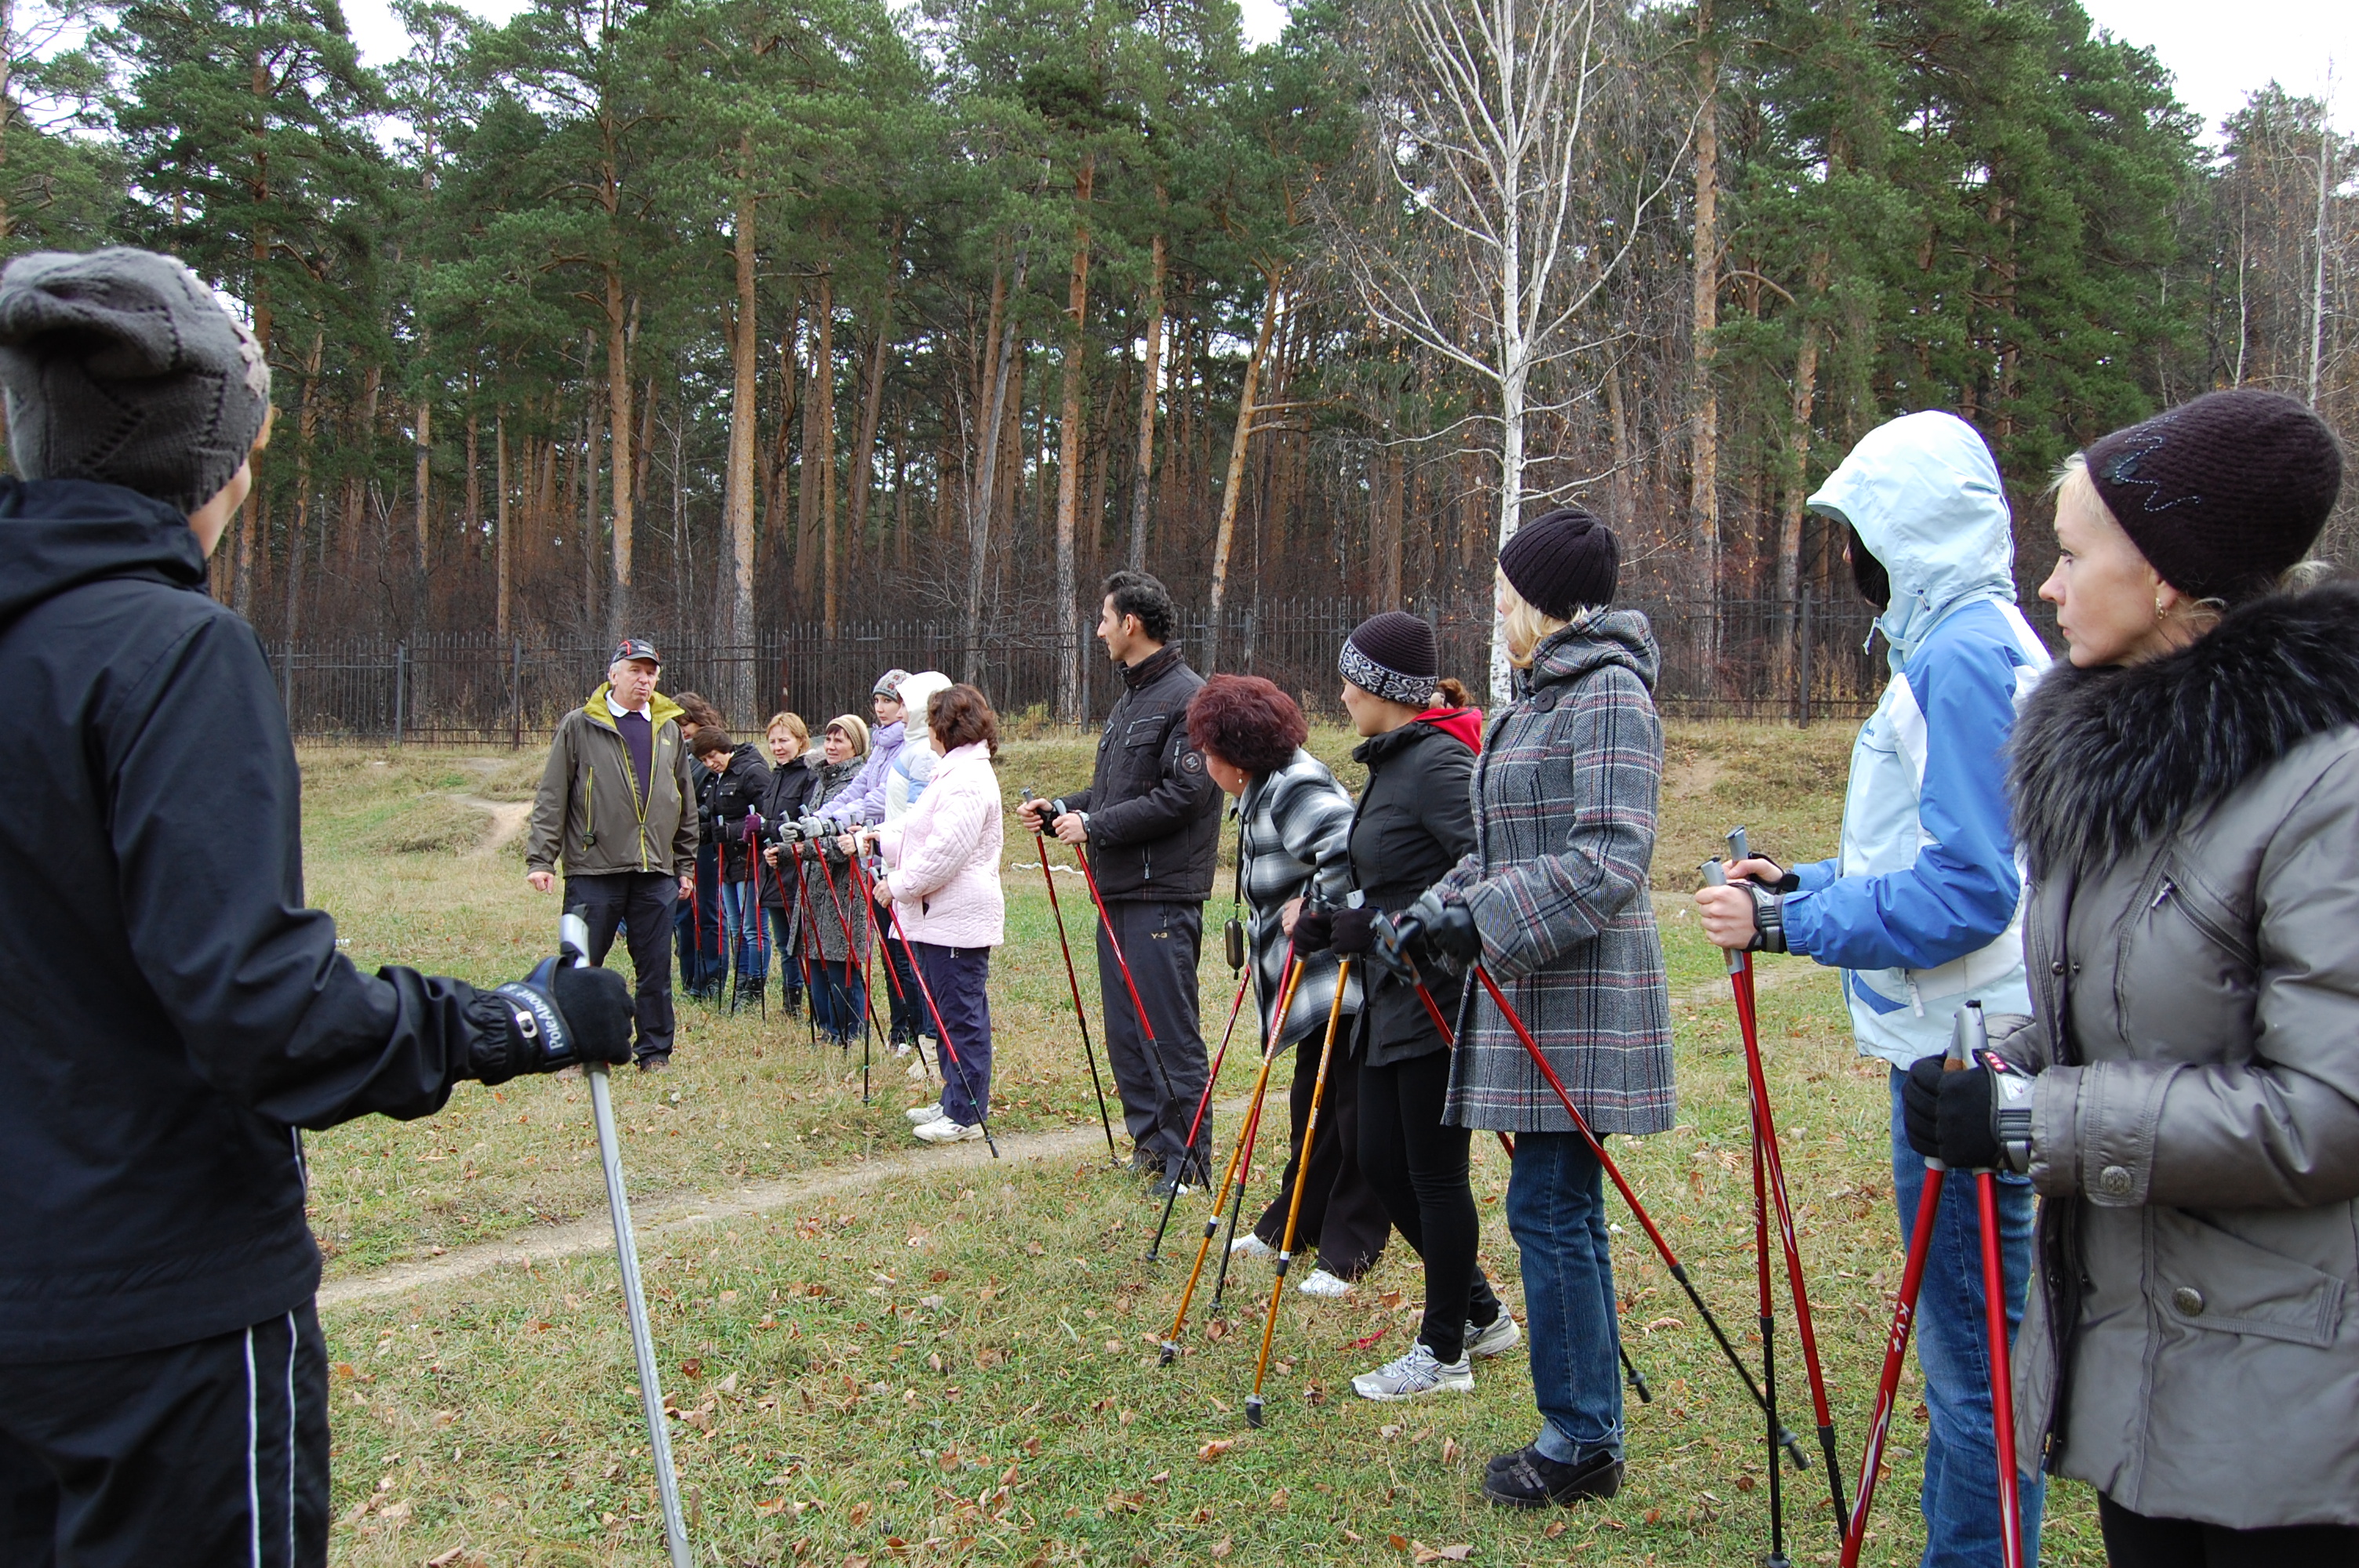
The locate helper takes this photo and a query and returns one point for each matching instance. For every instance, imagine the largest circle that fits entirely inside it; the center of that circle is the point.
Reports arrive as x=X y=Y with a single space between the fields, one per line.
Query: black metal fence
x=1791 y=659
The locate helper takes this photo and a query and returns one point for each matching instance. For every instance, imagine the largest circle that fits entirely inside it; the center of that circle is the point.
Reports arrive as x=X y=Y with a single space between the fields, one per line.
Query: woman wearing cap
x=2187 y=1101
x=1294 y=823
x=832 y=899
x=1414 y=822
x=1552 y=901
x=944 y=883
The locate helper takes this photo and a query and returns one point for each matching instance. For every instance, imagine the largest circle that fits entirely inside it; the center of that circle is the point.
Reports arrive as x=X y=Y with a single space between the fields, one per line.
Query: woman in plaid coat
x=1552 y=903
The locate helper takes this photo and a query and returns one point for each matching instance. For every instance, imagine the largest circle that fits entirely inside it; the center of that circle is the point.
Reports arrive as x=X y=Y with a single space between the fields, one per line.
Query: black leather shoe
x=1530 y=1479
x=659 y=1062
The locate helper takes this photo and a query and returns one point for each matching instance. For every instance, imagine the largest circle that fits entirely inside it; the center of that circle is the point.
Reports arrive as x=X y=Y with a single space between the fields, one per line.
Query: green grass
x=959 y=1366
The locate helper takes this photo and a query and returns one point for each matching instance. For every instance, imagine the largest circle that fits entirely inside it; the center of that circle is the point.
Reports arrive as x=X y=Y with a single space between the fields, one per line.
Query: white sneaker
x=1414 y=1376
x=1251 y=1246
x=948 y=1131
x=1501 y=1336
x=915 y=1069
x=923 y=1114
x=1319 y=1283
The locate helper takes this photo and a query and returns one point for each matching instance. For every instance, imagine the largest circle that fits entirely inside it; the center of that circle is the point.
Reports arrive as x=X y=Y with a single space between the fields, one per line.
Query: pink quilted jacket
x=945 y=855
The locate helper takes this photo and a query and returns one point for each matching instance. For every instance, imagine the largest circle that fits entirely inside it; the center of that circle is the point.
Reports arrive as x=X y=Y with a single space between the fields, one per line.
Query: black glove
x=1978 y=1118
x=1314 y=931
x=1356 y=931
x=554 y=1017
x=1429 y=932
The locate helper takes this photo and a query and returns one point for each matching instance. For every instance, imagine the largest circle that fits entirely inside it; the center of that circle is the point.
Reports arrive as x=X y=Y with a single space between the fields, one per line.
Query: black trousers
x=1158 y=1087
x=209 y=1455
x=1342 y=1215
x=1418 y=1167
x=645 y=899
x=2136 y=1541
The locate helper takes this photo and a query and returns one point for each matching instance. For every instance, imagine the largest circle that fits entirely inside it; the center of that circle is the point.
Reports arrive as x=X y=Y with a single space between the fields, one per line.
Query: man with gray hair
x=173 y=1014
x=615 y=804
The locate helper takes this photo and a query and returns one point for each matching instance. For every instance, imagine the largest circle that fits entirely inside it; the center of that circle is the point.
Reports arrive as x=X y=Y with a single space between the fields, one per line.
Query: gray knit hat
x=122 y=366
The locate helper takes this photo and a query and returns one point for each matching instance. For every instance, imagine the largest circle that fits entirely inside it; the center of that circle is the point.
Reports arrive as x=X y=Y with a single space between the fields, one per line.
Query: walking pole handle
x=1715 y=875
x=1739 y=848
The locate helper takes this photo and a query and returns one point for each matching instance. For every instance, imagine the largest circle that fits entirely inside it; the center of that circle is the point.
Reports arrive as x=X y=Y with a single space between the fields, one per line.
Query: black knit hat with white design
x=1393 y=655
x=2223 y=492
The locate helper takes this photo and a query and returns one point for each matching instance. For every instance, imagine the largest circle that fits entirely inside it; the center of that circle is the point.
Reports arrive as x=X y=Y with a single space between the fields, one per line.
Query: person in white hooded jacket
x=906 y=777
x=1921 y=909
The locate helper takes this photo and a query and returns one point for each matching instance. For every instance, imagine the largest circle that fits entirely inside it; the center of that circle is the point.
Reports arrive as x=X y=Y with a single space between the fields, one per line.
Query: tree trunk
x=1797 y=438
x=307 y=428
x=737 y=486
x=1384 y=530
x=872 y=402
x=1225 y=536
x=423 y=441
x=1070 y=456
x=1703 y=472
x=1151 y=373
x=982 y=493
x=500 y=548
x=618 y=414
x=823 y=374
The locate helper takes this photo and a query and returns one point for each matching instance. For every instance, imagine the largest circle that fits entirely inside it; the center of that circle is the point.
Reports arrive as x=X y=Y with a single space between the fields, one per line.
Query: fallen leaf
x=1746 y=1482
x=1398 y=1542
x=1451 y=1452
x=1392 y=1299
x=1214 y=1449
x=1368 y=1341
x=1279 y=1498
x=1222 y=1547
x=776 y=1504
x=1353 y=1536
x=1033 y=1250
x=1654 y=1516
x=858 y=1515
x=1553 y=1531
x=446 y=1558
x=693 y=1368
x=1159 y=1479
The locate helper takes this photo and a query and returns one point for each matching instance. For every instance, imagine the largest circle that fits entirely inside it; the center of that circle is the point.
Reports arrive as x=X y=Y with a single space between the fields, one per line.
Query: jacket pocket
x=2203 y=1277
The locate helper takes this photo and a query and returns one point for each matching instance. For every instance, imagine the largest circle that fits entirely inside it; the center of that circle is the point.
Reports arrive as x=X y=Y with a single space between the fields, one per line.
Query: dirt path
x=660 y=1220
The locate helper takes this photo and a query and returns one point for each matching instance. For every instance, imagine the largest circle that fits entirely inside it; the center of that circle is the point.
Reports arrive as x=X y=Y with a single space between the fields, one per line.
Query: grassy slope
x=963 y=1363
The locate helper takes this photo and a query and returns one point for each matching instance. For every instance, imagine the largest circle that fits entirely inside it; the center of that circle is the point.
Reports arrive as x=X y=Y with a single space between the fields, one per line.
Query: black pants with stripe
x=209 y=1455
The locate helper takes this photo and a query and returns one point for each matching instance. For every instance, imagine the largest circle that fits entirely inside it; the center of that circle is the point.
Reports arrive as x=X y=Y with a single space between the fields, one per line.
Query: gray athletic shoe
x=1413 y=1375
x=1501 y=1336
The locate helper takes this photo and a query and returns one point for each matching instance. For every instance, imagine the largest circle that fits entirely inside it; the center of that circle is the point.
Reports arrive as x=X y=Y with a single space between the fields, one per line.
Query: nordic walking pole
x=1764 y=1132
x=1239 y=1158
x=574 y=938
x=1105 y=924
x=2010 y=1500
x=799 y=928
x=1904 y=1314
x=1786 y=1440
x=1203 y=1101
x=867 y=994
x=1073 y=980
x=1249 y=1139
x=1450 y=1040
x=868 y=890
x=1776 y=1558
x=1294 y=1206
x=942 y=1030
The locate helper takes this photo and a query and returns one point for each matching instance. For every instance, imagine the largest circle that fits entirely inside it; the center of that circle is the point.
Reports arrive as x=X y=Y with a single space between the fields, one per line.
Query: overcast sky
x=2218 y=52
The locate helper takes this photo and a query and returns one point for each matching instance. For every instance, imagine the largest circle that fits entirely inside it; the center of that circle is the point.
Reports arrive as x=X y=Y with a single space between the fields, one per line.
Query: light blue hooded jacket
x=1922 y=909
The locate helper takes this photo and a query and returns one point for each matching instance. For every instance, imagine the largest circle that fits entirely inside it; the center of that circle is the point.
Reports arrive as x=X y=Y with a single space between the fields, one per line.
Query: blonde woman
x=792 y=781
x=1552 y=901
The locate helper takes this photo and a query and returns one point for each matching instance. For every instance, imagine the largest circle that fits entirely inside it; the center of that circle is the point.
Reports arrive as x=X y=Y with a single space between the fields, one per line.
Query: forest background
x=761 y=323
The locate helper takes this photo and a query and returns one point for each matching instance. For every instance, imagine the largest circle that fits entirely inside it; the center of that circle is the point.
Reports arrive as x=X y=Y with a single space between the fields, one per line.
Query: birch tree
x=1515 y=195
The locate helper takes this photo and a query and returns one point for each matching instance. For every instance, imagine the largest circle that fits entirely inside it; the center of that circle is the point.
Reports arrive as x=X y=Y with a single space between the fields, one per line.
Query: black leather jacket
x=1415 y=821
x=1155 y=813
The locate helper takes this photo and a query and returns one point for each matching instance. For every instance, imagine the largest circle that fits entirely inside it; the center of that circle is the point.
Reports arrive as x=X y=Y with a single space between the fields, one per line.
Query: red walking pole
x=1204 y=1100
x=1784 y=1439
x=942 y=1030
x=1073 y=982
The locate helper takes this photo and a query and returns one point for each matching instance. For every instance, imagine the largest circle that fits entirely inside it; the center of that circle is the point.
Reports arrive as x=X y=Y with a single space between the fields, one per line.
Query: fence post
x=286 y=680
x=516 y=692
x=1802 y=663
x=400 y=689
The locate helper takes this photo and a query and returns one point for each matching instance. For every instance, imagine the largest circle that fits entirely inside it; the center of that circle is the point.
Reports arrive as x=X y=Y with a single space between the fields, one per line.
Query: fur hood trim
x=2105 y=760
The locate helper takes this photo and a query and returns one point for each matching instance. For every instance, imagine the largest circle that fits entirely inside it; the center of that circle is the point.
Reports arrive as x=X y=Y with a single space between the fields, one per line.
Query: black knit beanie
x=1563 y=561
x=122 y=366
x=2222 y=493
x=1393 y=655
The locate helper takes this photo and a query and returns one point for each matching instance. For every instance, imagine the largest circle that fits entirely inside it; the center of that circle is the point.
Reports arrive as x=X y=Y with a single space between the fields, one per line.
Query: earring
x=2159 y=610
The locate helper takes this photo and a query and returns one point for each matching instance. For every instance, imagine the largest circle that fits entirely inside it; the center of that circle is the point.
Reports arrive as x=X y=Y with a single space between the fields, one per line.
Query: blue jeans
x=1556 y=1212
x=956 y=979
x=741 y=921
x=782 y=942
x=1960 y=1496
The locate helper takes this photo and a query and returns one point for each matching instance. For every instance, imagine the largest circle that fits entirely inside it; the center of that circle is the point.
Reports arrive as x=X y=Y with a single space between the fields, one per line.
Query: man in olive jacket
x=616 y=807
x=1151 y=821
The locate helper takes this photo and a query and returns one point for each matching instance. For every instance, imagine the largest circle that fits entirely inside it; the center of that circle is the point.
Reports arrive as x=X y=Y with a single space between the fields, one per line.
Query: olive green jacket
x=588 y=813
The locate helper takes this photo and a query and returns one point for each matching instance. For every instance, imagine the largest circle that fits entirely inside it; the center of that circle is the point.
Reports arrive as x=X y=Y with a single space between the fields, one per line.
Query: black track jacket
x=1155 y=813
x=170 y=1012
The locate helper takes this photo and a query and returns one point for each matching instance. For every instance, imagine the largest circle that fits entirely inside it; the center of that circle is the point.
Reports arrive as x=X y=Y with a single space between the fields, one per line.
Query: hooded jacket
x=588 y=811
x=944 y=852
x=1565 y=794
x=1294 y=831
x=170 y=1012
x=862 y=800
x=1414 y=822
x=2192 y=822
x=1922 y=906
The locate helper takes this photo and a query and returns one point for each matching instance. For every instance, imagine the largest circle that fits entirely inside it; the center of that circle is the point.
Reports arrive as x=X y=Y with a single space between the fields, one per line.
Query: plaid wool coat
x=1294 y=836
x=1565 y=792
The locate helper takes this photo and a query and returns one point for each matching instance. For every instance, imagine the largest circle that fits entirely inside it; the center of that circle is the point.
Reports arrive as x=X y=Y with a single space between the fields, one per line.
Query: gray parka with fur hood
x=2191 y=1346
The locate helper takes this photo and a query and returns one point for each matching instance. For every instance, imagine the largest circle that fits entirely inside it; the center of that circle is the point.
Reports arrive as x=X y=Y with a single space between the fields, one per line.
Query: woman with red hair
x=1294 y=828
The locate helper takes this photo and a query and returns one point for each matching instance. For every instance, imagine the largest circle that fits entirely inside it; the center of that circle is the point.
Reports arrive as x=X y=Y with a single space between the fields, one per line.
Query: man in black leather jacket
x=1151 y=823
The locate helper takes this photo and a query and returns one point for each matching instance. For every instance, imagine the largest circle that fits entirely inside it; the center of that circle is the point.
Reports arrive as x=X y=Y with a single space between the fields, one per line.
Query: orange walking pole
x=1294 y=1208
